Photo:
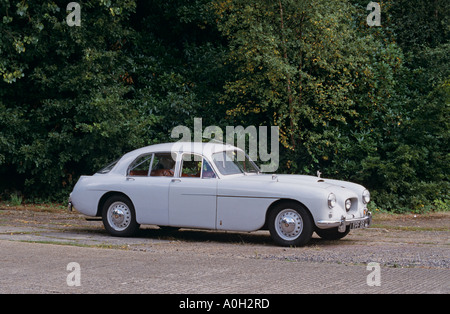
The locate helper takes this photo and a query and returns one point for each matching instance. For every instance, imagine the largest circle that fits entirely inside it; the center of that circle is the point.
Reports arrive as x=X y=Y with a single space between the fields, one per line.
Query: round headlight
x=348 y=204
x=331 y=200
x=366 y=196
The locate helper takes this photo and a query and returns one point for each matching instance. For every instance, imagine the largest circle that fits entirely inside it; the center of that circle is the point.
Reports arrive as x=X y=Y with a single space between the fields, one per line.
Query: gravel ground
x=413 y=241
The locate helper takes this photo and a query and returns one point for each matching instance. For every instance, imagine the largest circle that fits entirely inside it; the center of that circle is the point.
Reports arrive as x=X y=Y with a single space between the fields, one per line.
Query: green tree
x=179 y=71
x=63 y=107
x=355 y=101
x=304 y=66
x=411 y=164
x=74 y=98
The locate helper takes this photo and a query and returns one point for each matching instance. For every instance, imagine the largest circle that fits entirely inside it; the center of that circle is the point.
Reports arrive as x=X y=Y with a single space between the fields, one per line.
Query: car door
x=192 y=194
x=147 y=184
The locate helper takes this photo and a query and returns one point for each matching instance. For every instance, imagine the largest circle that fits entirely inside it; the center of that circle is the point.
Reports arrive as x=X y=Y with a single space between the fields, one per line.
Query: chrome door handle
x=176 y=180
x=130 y=179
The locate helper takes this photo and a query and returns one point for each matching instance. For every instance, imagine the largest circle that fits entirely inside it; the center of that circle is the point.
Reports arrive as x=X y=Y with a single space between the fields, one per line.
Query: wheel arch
x=281 y=201
x=105 y=197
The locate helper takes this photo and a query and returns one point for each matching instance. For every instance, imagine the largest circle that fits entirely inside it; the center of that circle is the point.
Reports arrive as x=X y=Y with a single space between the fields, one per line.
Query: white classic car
x=217 y=186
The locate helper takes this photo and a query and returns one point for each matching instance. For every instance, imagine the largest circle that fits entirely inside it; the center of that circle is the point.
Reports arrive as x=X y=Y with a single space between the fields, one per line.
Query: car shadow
x=261 y=237
x=203 y=235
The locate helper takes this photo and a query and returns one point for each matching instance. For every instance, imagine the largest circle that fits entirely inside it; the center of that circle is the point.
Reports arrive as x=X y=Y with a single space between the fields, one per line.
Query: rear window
x=108 y=168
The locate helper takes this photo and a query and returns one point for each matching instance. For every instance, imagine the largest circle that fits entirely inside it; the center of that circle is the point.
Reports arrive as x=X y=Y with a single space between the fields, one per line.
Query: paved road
x=42 y=268
x=36 y=249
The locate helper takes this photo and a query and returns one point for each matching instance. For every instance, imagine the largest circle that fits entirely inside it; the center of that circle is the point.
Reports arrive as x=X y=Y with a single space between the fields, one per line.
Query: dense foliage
x=360 y=103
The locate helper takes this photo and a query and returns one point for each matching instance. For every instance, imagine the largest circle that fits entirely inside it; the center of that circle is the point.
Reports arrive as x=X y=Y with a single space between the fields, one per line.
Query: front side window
x=194 y=166
x=207 y=170
x=191 y=166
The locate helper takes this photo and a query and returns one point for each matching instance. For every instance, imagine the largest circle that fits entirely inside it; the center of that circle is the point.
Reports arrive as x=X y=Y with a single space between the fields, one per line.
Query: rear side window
x=153 y=165
x=163 y=165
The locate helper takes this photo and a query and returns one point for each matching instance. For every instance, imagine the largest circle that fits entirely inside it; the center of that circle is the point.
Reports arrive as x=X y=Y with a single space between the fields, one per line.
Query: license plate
x=358 y=224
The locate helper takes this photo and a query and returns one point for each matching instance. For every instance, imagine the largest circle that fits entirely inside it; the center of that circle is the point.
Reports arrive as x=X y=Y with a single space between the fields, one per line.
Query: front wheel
x=119 y=217
x=290 y=224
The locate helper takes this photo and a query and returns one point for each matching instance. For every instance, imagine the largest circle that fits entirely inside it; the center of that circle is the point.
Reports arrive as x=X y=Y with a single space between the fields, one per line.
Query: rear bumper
x=69 y=204
x=354 y=223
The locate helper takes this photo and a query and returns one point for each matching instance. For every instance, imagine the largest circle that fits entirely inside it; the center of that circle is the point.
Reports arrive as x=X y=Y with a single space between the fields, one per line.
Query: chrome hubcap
x=119 y=216
x=289 y=224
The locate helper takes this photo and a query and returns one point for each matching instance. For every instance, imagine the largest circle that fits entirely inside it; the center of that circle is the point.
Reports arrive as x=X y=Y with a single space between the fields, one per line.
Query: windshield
x=234 y=162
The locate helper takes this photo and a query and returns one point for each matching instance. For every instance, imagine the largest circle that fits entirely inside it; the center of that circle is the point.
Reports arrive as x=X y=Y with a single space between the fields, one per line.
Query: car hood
x=287 y=182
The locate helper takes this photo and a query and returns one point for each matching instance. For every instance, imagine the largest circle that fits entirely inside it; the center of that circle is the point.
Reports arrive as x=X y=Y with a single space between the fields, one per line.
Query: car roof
x=204 y=149
x=191 y=147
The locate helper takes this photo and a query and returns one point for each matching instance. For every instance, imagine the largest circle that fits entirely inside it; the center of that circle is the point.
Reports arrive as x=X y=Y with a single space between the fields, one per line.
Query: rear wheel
x=119 y=217
x=290 y=224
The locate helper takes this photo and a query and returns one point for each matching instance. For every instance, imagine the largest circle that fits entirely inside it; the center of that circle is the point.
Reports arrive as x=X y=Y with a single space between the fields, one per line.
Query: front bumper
x=354 y=223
